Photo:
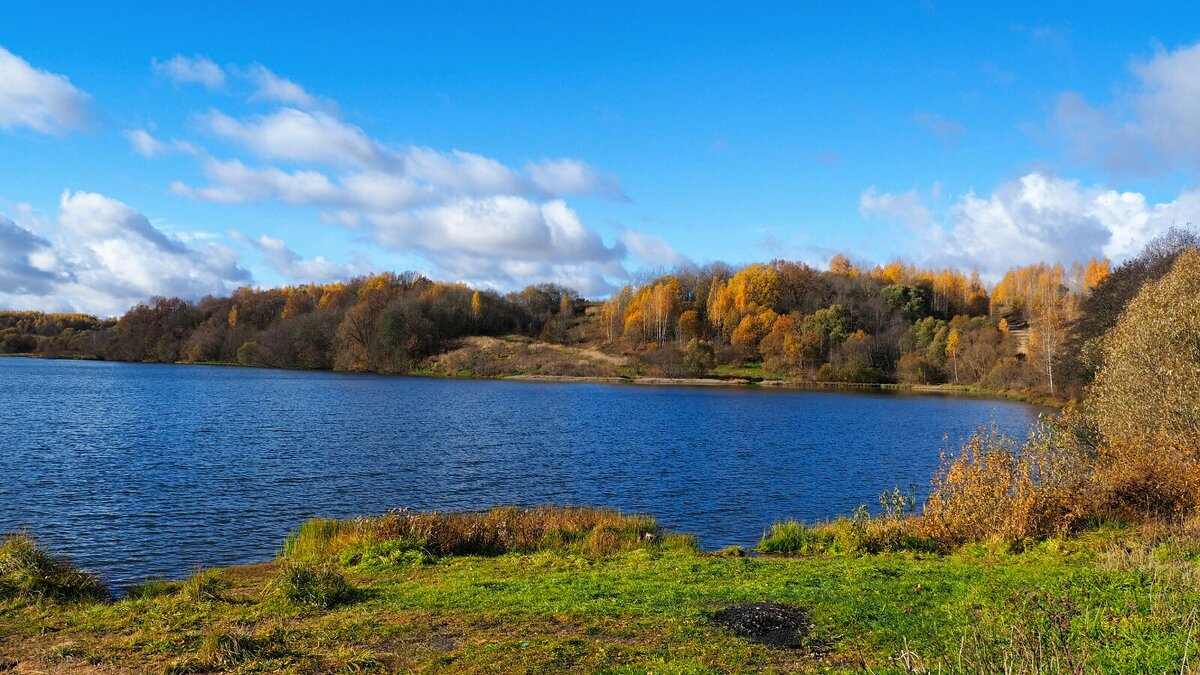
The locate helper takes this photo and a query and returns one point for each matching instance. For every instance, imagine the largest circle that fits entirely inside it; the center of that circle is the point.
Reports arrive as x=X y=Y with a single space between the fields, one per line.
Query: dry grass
x=491 y=357
x=993 y=487
x=486 y=533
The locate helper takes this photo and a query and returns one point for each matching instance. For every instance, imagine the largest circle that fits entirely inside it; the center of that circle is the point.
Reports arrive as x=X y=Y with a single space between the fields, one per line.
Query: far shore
x=737 y=382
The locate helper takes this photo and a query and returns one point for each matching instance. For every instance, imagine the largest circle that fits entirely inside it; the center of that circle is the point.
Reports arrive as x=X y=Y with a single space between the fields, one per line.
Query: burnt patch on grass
x=770 y=623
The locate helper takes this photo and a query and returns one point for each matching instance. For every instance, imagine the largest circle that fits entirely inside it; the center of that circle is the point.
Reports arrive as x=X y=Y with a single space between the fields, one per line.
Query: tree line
x=382 y=323
x=1039 y=329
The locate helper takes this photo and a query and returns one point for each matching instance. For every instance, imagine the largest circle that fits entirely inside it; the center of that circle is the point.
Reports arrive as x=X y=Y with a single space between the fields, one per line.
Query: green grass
x=751 y=370
x=1106 y=602
x=29 y=572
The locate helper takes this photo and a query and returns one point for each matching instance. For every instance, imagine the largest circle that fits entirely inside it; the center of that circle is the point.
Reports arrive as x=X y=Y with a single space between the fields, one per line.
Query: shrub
x=915 y=368
x=1148 y=388
x=698 y=357
x=1006 y=374
x=993 y=488
x=29 y=571
x=313 y=586
x=247 y=354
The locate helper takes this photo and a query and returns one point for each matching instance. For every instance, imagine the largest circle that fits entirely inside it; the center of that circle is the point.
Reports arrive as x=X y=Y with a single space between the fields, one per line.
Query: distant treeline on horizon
x=1038 y=330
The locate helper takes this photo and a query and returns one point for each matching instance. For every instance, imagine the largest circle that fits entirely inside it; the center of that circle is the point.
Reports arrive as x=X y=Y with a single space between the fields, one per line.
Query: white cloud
x=20 y=273
x=573 y=177
x=474 y=217
x=236 y=183
x=38 y=100
x=503 y=226
x=291 y=265
x=145 y=144
x=1153 y=127
x=906 y=207
x=271 y=87
x=300 y=136
x=1040 y=217
x=652 y=250
x=197 y=69
x=462 y=173
x=106 y=258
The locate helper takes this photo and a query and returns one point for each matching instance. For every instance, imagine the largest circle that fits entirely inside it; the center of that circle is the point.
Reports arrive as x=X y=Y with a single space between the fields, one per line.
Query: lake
x=139 y=470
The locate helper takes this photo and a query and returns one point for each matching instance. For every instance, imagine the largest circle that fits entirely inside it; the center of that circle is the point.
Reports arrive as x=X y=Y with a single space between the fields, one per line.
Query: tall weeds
x=994 y=488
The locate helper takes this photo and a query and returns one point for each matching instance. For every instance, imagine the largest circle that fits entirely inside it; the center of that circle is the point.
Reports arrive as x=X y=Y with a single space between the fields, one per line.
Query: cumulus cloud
x=38 y=100
x=300 y=136
x=20 y=253
x=107 y=257
x=504 y=226
x=1038 y=217
x=196 y=69
x=652 y=250
x=1152 y=127
x=474 y=217
x=234 y=182
x=462 y=173
x=573 y=177
x=292 y=265
x=906 y=207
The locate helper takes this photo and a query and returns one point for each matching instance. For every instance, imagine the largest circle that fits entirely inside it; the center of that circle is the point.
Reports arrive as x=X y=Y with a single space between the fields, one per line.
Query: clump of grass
x=860 y=534
x=29 y=571
x=676 y=541
x=152 y=588
x=204 y=586
x=404 y=552
x=793 y=538
x=227 y=649
x=485 y=533
x=313 y=586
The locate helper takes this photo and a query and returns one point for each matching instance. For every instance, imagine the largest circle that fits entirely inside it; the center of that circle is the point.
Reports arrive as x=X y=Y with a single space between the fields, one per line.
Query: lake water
x=152 y=470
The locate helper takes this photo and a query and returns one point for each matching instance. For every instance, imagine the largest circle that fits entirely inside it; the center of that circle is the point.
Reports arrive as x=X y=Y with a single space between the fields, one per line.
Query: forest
x=1038 y=331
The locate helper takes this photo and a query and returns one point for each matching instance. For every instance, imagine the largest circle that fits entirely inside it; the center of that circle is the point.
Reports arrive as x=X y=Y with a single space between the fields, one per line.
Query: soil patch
x=770 y=623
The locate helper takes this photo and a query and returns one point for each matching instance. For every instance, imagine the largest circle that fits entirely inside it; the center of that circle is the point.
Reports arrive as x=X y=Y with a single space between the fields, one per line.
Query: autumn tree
x=952 y=341
x=841 y=265
x=751 y=330
x=720 y=308
x=612 y=313
x=690 y=326
x=476 y=305
x=754 y=288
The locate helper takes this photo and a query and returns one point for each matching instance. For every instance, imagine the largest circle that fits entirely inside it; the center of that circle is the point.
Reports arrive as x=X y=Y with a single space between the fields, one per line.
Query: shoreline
x=737 y=382
x=610 y=595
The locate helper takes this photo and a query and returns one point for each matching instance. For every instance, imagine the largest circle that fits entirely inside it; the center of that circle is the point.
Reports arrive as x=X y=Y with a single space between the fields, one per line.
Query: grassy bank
x=551 y=590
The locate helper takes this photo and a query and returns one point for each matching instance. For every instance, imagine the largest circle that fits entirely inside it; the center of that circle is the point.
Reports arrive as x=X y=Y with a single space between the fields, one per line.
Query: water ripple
x=151 y=470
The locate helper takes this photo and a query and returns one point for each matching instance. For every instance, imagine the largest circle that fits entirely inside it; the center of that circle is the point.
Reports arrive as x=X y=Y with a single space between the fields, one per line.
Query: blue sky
x=153 y=150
